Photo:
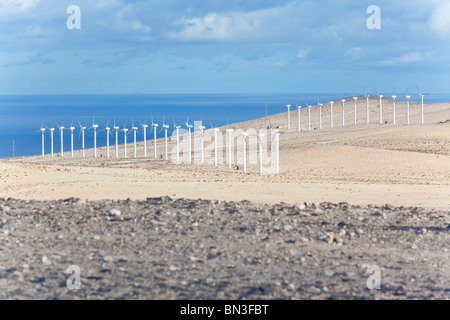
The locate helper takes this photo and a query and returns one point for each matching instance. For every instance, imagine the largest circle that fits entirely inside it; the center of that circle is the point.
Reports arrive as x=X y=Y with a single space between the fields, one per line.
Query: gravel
x=164 y=248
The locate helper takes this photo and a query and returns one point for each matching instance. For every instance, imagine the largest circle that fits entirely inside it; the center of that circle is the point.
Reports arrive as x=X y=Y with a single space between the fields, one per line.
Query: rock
x=359 y=232
x=114 y=213
x=328 y=273
x=46 y=260
x=388 y=207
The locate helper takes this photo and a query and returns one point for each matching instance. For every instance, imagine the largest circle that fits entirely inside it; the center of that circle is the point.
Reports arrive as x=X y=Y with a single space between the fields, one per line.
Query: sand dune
x=360 y=164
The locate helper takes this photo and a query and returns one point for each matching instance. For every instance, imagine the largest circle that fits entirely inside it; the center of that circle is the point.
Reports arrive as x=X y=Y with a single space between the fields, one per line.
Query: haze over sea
x=22 y=116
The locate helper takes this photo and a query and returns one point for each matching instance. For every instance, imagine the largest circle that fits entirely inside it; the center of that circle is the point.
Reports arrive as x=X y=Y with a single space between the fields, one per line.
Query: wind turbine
x=288 y=106
x=343 y=112
x=244 y=155
x=202 y=129
x=299 y=108
x=116 y=129
x=94 y=126
x=421 y=98
x=229 y=134
x=407 y=106
x=394 y=120
x=125 y=134
x=154 y=127
x=309 y=116
x=331 y=114
x=367 y=106
x=165 y=128
x=277 y=152
x=189 y=127
x=260 y=136
x=355 y=98
x=51 y=139
x=320 y=112
x=215 y=143
x=177 y=128
x=72 y=128
x=134 y=129
x=144 y=133
x=381 y=106
x=82 y=128
x=61 y=133
x=43 y=138
x=108 y=132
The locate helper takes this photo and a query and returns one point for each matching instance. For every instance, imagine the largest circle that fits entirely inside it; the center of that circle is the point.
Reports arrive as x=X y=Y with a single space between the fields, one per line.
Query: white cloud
x=412 y=57
x=236 y=25
x=302 y=54
x=354 y=53
x=16 y=6
x=439 y=20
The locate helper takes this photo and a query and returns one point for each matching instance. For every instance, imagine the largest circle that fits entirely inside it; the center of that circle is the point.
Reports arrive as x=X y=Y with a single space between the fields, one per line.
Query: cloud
x=236 y=26
x=439 y=20
x=16 y=6
x=412 y=57
x=302 y=54
x=38 y=58
x=354 y=53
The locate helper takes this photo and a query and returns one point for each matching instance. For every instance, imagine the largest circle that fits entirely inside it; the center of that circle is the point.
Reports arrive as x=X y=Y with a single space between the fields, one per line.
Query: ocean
x=21 y=117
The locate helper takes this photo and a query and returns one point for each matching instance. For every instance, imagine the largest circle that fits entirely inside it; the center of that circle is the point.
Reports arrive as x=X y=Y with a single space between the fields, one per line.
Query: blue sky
x=214 y=46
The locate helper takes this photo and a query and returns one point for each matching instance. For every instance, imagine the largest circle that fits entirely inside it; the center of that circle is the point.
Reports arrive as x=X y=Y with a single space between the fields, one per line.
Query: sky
x=230 y=46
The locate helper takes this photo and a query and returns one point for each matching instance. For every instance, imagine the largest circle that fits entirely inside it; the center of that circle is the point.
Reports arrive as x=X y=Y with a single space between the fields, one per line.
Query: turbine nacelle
x=408 y=97
x=394 y=97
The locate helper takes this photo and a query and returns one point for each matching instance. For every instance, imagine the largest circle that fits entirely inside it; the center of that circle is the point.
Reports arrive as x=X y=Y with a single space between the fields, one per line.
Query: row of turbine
x=380 y=96
x=154 y=126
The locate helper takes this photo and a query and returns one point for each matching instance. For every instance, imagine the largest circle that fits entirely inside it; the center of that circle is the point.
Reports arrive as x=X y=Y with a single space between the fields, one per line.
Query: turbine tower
x=407 y=106
x=394 y=120
x=72 y=128
x=331 y=114
x=144 y=133
x=381 y=106
x=108 y=132
x=309 y=117
x=125 y=133
x=367 y=106
x=51 y=139
x=42 y=130
x=177 y=128
x=94 y=126
x=288 y=106
x=355 y=117
x=343 y=112
x=421 y=98
x=165 y=128
x=116 y=129
x=154 y=127
x=61 y=134
x=244 y=156
x=320 y=112
x=299 y=108
x=189 y=127
x=202 y=129
x=134 y=129
x=229 y=133
x=82 y=128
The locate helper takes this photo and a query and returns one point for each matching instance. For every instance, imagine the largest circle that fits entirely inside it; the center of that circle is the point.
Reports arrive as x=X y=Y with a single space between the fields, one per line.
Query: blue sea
x=22 y=116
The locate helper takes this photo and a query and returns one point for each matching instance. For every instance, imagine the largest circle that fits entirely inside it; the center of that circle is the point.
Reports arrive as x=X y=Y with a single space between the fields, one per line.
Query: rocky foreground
x=199 y=249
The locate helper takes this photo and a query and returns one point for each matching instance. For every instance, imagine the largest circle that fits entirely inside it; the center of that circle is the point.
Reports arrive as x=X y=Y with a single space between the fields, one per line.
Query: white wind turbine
x=355 y=98
x=51 y=139
x=343 y=112
x=154 y=127
x=320 y=112
x=202 y=130
x=177 y=128
x=108 y=132
x=61 y=135
x=134 y=129
x=421 y=98
x=381 y=106
x=277 y=152
x=309 y=116
x=394 y=120
x=407 y=106
x=229 y=135
x=42 y=130
x=215 y=143
x=299 y=108
x=189 y=127
x=165 y=128
x=116 y=129
x=260 y=136
x=288 y=106
x=125 y=134
x=367 y=106
x=331 y=114
x=144 y=133
x=82 y=128
x=244 y=155
x=72 y=128
x=94 y=126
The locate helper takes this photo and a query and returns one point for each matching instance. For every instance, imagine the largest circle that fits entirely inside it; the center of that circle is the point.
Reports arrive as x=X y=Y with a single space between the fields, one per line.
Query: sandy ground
x=360 y=164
